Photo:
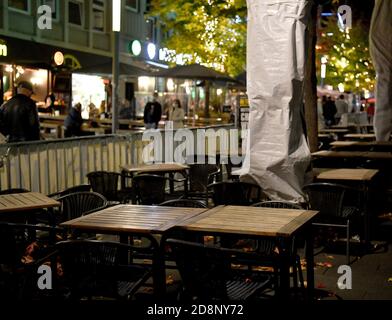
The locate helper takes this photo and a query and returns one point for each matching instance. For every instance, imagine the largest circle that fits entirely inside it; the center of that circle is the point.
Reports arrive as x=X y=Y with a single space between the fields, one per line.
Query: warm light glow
x=219 y=92
x=324 y=60
x=170 y=84
x=323 y=71
x=341 y=87
x=58 y=58
x=9 y=68
x=116 y=17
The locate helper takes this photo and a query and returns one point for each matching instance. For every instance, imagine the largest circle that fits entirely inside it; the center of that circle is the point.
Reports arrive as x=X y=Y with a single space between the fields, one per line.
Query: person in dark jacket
x=18 y=117
x=329 y=111
x=152 y=113
x=73 y=122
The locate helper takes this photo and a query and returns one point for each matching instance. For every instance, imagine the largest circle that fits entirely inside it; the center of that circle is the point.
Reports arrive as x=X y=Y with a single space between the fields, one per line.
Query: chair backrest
x=77 y=204
x=105 y=183
x=203 y=269
x=149 y=189
x=14 y=239
x=235 y=193
x=79 y=188
x=89 y=266
x=327 y=198
x=200 y=174
x=13 y=190
x=278 y=204
x=186 y=203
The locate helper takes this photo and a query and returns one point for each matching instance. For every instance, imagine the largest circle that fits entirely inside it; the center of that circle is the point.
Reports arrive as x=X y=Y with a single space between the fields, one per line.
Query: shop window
x=20 y=5
x=75 y=12
x=132 y=5
x=98 y=16
x=54 y=5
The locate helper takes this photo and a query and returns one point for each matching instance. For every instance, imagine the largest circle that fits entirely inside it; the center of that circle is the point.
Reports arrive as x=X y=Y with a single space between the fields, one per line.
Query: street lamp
x=116 y=27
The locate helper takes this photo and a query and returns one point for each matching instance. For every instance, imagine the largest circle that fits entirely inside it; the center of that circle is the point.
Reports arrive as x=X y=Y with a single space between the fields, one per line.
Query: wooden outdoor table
x=334 y=131
x=128 y=171
x=360 y=136
x=369 y=155
x=354 y=176
x=362 y=145
x=348 y=174
x=126 y=220
x=24 y=203
x=254 y=222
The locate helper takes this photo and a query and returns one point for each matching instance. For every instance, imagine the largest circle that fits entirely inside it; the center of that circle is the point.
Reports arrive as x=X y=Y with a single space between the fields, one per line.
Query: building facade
x=81 y=30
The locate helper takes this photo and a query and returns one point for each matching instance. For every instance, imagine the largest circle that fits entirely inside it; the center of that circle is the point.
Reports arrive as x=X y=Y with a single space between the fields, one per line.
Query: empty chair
x=107 y=184
x=267 y=246
x=98 y=269
x=79 y=188
x=77 y=204
x=22 y=246
x=207 y=275
x=235 y=193
x=328 y=199
x=200 y=176
x=150 y=189
x=187 y=203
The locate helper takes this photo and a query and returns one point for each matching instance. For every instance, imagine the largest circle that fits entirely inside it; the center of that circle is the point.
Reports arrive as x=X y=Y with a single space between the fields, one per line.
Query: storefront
x=49 y=69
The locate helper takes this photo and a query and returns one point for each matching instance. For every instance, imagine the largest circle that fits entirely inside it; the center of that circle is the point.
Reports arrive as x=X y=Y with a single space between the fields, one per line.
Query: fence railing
x=53 y=165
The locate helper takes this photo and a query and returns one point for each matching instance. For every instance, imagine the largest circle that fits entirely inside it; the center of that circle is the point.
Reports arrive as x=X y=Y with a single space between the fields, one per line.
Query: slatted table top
x=348 y=174
x=375 y=155
x=133 y=218
x=334 y=131
x=249 y=221
x=361 y=135
x=156 y=167
x=26 y=201
x=361 y=143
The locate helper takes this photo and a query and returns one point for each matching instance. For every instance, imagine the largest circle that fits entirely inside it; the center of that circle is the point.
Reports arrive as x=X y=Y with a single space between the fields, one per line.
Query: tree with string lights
x=347 y=57
x=209 y=32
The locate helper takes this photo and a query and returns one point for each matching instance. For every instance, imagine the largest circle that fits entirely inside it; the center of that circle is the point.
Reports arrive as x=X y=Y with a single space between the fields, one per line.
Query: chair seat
x=243 y=290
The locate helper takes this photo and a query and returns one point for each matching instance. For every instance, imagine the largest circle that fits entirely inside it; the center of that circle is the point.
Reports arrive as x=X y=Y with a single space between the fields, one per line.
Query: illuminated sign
x=72 y=62
x=151 y=50
x=135 y=48
x=3 y=49
x=58 y=58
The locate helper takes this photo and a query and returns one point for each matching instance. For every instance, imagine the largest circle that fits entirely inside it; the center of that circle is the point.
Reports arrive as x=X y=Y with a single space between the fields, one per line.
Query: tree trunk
x=311 y=84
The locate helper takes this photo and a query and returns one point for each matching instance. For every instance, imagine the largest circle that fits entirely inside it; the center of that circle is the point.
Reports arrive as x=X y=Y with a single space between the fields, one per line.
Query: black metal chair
x=150 y=189
x=23 y=248
x=100 y=269
x=200 y=176
x=107 y=184
x=235 y=193
x=78 y=204
x=207 y=275
x=79 y=188
x=329 y=200
x=186 y=203
x=267 y=246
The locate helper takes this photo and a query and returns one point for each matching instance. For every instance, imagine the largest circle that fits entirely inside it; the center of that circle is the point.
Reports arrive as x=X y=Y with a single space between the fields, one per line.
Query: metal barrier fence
x=53 y=165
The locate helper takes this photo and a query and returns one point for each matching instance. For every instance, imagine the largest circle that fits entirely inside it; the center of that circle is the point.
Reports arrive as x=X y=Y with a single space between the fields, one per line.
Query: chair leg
x=348 y=243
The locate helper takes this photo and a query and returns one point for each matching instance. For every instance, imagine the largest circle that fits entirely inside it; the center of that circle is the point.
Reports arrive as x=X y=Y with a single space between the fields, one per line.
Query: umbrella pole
x=207 y=100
